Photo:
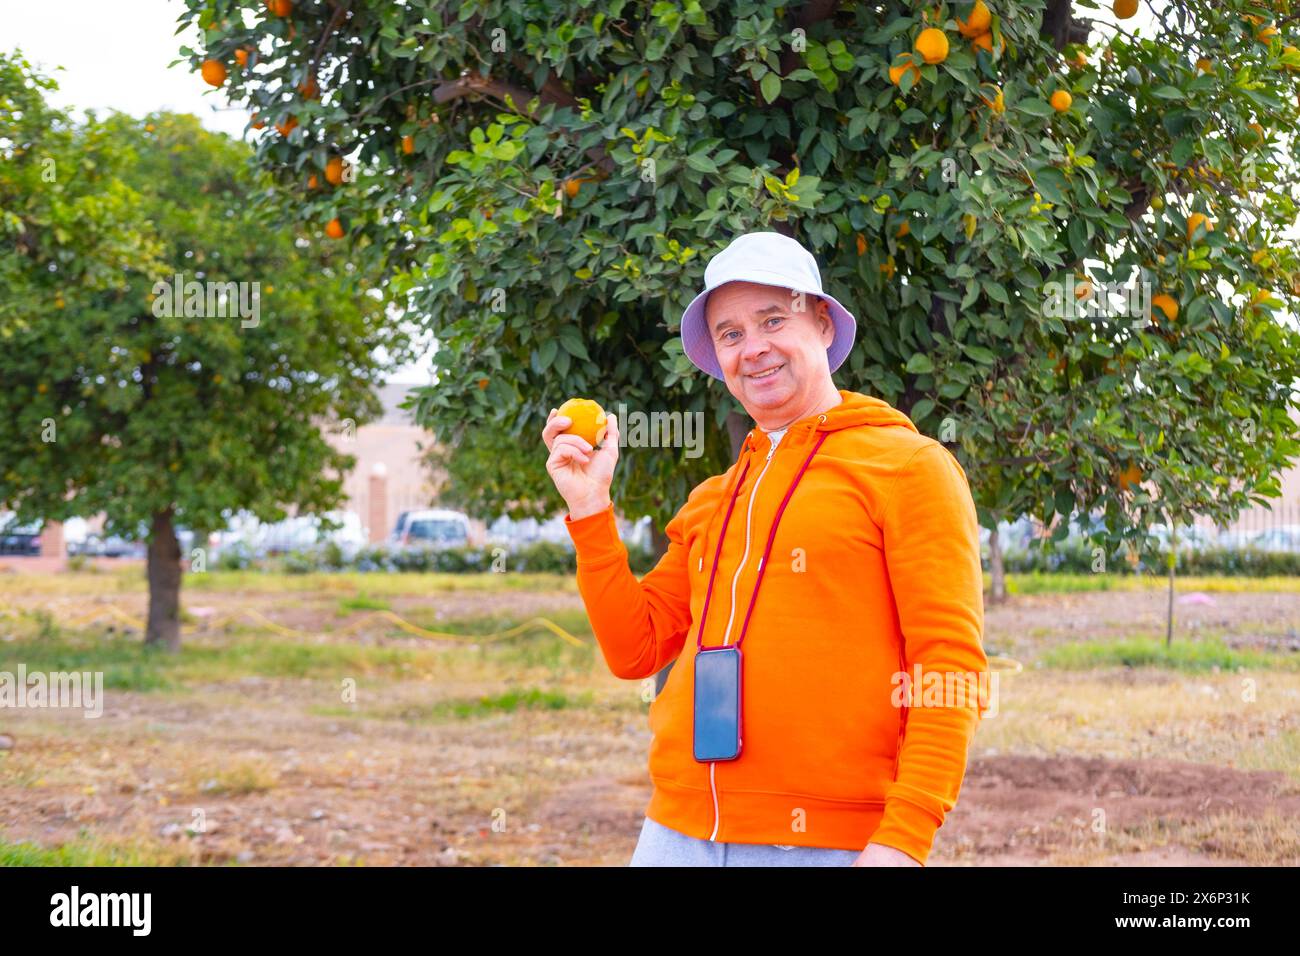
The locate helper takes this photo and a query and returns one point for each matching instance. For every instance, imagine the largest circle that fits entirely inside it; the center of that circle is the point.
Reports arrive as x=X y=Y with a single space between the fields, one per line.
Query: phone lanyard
x=762 y=564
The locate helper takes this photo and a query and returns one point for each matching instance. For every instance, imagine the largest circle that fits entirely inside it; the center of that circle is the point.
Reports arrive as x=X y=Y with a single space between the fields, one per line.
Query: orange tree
x=179 y=413
x=544 y=183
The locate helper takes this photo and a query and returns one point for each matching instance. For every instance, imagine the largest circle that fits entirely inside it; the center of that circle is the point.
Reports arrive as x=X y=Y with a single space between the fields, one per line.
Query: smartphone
x=717 y=703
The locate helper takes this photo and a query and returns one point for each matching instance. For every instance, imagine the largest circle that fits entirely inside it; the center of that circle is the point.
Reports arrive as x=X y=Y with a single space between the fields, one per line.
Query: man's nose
x=755 y=348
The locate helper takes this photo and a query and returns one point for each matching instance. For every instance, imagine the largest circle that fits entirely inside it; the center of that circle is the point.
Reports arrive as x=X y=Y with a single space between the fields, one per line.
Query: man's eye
x=729 y=332
x=776 y=318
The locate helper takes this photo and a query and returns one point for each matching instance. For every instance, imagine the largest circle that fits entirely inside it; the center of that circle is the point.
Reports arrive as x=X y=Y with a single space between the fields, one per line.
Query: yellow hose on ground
x=996 y=663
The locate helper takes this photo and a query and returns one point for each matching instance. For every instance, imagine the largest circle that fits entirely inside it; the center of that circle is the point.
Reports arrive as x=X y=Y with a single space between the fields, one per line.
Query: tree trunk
x=998 y=578
x=164 y=569
x=659 y=546
x=737 y=428
x=1173 y=561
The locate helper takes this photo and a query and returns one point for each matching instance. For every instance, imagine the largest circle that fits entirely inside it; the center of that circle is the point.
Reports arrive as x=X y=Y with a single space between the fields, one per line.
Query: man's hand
x=877 y=854
x=582 y=475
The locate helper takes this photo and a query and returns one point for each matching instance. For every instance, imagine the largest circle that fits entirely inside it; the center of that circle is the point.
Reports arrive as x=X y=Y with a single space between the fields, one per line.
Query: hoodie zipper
x=735 y=578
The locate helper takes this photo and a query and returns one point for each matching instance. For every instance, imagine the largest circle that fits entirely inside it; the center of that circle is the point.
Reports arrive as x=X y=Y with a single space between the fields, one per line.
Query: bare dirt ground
x=1102 y=767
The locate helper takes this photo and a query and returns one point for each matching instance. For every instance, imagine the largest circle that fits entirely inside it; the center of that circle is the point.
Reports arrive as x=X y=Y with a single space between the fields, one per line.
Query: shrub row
x=1077 y=557
x=541 y=556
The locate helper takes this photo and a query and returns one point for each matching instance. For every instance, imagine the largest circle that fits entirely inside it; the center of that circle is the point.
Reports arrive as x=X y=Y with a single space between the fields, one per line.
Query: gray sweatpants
x=662 y=846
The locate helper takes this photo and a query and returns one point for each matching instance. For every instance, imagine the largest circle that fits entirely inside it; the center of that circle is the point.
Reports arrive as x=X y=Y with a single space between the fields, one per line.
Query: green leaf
x=770 y=86
x=919 y=364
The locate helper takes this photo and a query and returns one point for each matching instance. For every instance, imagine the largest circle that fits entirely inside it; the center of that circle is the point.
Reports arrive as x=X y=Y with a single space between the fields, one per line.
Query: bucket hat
x=767 y=258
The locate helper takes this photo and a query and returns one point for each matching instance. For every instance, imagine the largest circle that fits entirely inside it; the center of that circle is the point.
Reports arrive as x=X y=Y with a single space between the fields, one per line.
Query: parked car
x=1284 y=539
x=1190 y=537
x=1238 y=540
x=432 y=528
x=18 y=538
x=307 y=532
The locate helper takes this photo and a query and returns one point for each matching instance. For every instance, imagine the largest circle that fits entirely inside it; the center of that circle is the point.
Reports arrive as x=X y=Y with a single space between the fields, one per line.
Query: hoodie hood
x=853 y=410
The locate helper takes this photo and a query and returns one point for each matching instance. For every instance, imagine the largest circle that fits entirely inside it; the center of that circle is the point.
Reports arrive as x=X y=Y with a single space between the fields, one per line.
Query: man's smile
x=766 y=373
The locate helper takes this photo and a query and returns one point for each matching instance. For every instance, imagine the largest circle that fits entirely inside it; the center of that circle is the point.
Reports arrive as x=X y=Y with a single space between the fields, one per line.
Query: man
x=841 y=550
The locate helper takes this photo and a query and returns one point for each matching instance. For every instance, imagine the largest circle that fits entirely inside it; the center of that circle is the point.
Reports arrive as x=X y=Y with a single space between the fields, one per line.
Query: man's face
x=771 y=345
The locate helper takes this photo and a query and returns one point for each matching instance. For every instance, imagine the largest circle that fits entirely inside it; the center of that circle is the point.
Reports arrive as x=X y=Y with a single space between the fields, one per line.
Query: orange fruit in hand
x=586 y=420
x=214 y=72
x=334 y=229
x=334 y=170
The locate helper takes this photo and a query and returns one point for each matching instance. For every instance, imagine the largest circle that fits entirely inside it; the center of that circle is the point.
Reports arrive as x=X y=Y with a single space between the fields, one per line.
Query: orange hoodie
x=874 y=573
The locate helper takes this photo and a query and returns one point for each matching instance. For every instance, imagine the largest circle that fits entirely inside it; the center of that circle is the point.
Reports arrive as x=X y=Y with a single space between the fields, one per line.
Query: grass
x=1041 y=583
x=1149 y=713
x=531 y=698
x=1182 y=655
x=406 y=583
x=236 y=778
x=93 y=851
x=128 y=665
x=363 y=602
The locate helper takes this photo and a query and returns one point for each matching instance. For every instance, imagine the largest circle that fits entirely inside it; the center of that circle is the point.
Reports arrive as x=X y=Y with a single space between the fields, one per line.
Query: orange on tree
x=1061 y=101
x=904 y=229
x=1198 y=219
x=334 y=229
x=1203 y=65
x=586 y=420
x=408 y=144
x=1166 y=304
x=213 y=72
x=1267 y=34
x=258 y=122
x=1129 y=477
x=862 y=244
x=1124 y=9
x=932 y=45
x=902 y=64
x=312 y=182
x=572 y=186
x=334 y=170
x=985 y=42
x=241 y=56
x=279 y=8
x=978 y=22
x=309 y=89
x=997 y=104
x=287 y=126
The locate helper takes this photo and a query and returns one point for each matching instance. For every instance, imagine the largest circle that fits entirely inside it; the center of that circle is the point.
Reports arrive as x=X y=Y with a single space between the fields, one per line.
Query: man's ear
x=825 y=324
